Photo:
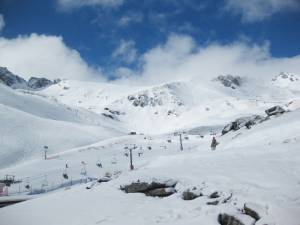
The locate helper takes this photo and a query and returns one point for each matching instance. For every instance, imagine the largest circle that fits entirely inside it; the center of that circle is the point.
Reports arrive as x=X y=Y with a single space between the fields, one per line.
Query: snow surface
x=258 y=165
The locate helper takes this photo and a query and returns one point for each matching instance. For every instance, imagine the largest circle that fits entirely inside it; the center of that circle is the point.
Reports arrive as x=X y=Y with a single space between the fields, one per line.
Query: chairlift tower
x=180 y=139
x=130 y=154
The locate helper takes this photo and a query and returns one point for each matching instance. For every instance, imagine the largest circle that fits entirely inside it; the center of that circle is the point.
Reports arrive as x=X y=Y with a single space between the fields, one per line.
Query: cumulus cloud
x=126 y=52
x=181 y=59
x=48 y=56
x=2 y=22
x=73 y=4
x=258 y=10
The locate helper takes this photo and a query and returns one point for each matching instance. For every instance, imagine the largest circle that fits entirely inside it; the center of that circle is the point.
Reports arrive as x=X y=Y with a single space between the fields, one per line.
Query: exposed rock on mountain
x=11 y=80
x=17 y=82
x=38 y=83
x=230 y=81
x=243 y=121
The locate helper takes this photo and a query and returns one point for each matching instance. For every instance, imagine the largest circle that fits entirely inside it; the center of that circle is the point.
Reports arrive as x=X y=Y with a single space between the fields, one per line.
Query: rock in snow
x=154 y=189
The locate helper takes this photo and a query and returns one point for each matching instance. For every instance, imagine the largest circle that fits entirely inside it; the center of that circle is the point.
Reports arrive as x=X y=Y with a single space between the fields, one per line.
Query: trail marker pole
x=180 y=138
x=45 y=152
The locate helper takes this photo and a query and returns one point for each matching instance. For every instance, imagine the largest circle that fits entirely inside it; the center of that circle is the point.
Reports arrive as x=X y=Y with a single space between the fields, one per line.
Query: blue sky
x=114 y=33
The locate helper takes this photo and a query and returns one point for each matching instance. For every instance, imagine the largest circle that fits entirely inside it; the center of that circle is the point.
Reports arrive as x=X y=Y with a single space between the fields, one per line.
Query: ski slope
x=260 y=166
x=28 y=123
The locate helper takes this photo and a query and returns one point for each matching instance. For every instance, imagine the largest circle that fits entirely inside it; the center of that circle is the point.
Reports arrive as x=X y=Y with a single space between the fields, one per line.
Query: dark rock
x=225 y=219
x=154 y=189
x=189 y=195
x=11 y=80
x=104 y=179
x=138 y=187
x=213 y=203
x=243 y=121
x=275 y=110
x=108 y=116
x=230 y=81
x=38 y=83
x=214 y=195
x=250 y=211
x=14 y=81
x=161 y=192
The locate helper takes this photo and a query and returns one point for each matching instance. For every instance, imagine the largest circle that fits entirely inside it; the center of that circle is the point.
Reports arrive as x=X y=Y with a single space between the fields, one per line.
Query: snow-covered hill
x=87 y=127
x=28 y=123
x=258 y=167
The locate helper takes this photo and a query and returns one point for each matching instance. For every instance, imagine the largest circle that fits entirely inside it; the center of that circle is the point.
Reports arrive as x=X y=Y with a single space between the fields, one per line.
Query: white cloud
x=2 y=22
x=181 y=59
x=258 y=10
x=73 y=4
x=126 y=52
x=130 y=18
x=41 y=55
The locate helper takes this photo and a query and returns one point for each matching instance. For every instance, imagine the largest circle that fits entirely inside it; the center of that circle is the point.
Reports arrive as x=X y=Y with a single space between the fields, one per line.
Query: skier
x=214 y=144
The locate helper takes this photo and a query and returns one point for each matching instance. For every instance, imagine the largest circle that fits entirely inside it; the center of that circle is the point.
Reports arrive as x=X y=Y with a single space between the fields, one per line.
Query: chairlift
x=65 y=176
x=83 y=172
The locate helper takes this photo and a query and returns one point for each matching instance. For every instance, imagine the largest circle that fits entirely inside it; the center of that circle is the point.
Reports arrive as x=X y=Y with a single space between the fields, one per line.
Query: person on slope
x=214 y=144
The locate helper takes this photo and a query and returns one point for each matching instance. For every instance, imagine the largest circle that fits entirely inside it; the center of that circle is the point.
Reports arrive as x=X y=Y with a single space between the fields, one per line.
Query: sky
x=153 y=40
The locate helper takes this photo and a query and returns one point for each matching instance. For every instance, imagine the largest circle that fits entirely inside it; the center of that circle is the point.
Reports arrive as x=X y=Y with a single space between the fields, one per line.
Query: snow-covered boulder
x=153 y=189
x=275 y=110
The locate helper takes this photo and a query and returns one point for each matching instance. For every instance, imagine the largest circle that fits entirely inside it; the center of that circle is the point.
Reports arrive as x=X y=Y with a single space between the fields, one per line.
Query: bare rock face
x=17 y=82
x=39 y=83
x=10 y=79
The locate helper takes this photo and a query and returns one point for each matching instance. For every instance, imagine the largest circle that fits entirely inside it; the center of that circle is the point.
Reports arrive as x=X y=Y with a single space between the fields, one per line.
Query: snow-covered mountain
x=14 y=81
x=89 y=128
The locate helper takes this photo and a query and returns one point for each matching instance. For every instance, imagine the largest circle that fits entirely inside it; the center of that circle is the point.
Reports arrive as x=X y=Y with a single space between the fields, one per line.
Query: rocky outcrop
x=191 y=194
x=242 y=122
x=11 y=80
x=154 y=189
x=239 y=219
x=39 y=83
x=230 y=81
x=161 y=192
x=275 y=110
x=253 y=210
x=16 y=82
